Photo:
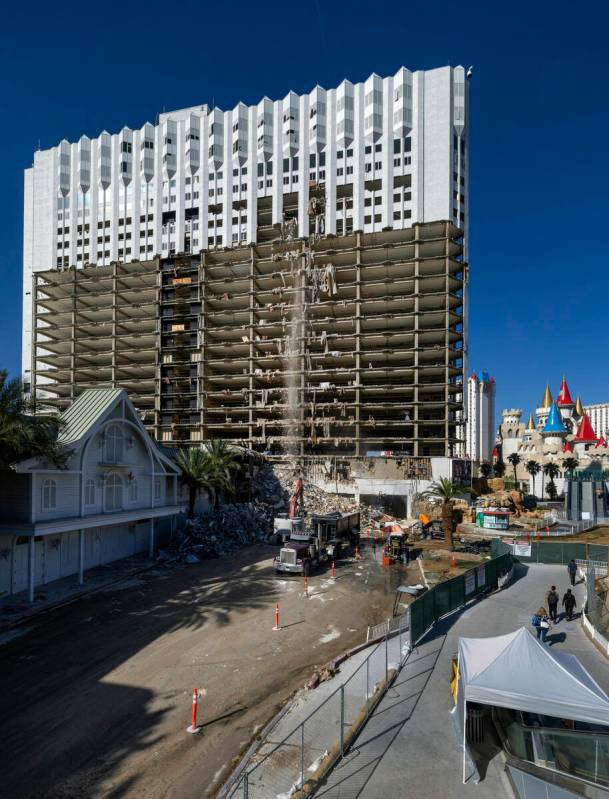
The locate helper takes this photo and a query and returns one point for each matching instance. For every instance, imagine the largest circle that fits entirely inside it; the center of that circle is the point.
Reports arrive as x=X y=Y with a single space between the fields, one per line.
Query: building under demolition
x=291 y=275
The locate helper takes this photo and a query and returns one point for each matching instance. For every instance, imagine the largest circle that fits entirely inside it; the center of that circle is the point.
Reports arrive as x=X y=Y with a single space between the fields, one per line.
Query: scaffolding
x=332 y=345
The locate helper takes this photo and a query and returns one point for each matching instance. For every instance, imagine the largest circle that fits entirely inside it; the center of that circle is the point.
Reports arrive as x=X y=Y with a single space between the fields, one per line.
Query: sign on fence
x=481 y=576
x=522 y=550
x=470 y=582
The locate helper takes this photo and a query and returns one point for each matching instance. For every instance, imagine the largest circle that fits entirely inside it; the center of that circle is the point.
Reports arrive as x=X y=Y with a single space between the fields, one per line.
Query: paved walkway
x=408 y=748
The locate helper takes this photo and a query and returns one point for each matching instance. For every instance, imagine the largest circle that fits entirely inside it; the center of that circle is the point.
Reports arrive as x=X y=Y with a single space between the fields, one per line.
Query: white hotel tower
x=148 y=250
x=390 y=151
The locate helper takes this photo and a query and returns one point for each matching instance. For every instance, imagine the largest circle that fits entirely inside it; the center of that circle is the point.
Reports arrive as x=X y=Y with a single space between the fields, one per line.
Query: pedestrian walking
x=541 y=623
x=552 y=603
x=569 y=602
x=572 y=569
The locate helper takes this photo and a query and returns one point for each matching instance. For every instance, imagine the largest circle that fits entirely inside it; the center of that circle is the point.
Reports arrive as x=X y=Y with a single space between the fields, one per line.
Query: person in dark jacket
x=569 y=604
x=572 y=569
x=552 y=602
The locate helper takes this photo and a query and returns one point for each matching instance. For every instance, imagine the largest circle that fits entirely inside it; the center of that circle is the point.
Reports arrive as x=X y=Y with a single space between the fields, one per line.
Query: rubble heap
x=224 y=530
x=274 y=485
x=231 y=526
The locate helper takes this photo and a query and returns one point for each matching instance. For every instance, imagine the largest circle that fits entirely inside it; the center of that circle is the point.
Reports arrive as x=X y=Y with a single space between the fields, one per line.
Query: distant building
x=116 y=496
x=599 y=418
x=480 y=426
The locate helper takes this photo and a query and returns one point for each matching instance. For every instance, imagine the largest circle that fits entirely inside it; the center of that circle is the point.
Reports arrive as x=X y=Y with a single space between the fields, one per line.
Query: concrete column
x=151 y=541
x=81 y=557
x=31 y=567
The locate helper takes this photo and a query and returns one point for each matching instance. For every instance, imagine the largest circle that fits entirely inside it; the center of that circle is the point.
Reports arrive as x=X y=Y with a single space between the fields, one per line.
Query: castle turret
x=554 y=429
x=564 y=401
x=584 y=437
x=544 y=408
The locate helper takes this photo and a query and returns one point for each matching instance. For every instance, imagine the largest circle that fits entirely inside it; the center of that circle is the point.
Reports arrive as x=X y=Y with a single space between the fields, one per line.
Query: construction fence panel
x=422 y=615
x=452 y=594
x=598 y=552
x=442 y=599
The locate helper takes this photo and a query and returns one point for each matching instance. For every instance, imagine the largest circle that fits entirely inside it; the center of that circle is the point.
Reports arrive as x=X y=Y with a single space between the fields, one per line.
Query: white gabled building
x=116 y=496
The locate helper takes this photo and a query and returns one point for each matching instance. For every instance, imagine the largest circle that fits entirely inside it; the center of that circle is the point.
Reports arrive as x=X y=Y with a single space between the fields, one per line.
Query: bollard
x=356 y=552
x=194 y=727
x=453 y=562
x=547 y=529
x=306 y=591
x=332 y=569
x=276 y=627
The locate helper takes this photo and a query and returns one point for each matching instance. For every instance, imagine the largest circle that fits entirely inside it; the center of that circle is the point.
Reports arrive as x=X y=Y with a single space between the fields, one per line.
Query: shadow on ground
x=60 y=718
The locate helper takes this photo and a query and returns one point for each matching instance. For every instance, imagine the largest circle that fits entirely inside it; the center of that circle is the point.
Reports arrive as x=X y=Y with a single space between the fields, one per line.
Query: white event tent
x=516 y=671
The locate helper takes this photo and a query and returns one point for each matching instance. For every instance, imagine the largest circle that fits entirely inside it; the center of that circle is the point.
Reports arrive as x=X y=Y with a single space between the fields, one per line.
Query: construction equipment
x=337 y=531
x=395 y=548
x=296 y=498
x=305 y=551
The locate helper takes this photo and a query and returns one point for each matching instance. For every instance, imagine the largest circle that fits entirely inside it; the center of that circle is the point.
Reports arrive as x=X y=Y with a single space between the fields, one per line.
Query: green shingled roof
x=84 y=411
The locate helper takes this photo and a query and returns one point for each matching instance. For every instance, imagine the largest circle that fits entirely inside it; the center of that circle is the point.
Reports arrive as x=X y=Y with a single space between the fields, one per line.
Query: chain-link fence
x=282 y=767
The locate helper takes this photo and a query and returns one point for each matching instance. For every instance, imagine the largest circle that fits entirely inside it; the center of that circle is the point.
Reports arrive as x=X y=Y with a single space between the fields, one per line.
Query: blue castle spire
x=554 y=424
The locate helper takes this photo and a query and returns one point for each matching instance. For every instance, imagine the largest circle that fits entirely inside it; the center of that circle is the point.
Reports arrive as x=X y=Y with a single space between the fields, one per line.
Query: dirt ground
x=97 y=695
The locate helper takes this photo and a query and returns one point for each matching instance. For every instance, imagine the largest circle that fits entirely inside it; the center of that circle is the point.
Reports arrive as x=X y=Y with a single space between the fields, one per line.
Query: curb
x=10 y=624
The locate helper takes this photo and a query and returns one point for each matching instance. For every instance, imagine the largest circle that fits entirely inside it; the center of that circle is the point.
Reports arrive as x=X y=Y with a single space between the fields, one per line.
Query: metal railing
x=326 y=734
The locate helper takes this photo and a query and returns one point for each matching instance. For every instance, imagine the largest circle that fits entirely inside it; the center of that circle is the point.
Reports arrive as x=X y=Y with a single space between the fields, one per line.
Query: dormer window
x=113 y=445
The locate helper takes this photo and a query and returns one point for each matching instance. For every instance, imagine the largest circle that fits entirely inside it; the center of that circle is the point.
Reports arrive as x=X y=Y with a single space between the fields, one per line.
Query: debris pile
x=222 y=531
x=274 y=486
x=231 y=526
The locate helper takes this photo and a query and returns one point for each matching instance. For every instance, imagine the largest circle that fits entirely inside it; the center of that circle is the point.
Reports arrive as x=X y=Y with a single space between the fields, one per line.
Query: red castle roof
x=564 y=398
x=585 y=432
x=601 y=442
x=567 y=447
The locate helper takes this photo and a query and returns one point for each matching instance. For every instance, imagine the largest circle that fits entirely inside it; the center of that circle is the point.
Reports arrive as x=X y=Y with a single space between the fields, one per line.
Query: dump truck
x=302 y=554
x=330 y=536
x=337 y=531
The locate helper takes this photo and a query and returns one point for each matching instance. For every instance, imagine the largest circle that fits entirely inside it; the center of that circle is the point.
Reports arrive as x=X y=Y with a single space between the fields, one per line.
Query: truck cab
x=302 y=554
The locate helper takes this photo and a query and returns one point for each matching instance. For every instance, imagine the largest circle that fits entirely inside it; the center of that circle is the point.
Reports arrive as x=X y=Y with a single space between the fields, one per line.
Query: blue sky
x=538 y=133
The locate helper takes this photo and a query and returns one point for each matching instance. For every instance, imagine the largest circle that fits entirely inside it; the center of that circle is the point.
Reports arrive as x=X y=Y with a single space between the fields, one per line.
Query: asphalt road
x=96 y=697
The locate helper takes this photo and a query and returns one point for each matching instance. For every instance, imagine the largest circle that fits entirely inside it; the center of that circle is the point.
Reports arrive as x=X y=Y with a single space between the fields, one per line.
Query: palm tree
x=570 y=464
x=212 y=468
x=486 y=469
x=499 y=469
x=447 y=491
x=515 y=459
x=533 y=468
x=195 y=474
x=552 y=471
x=22 y=434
